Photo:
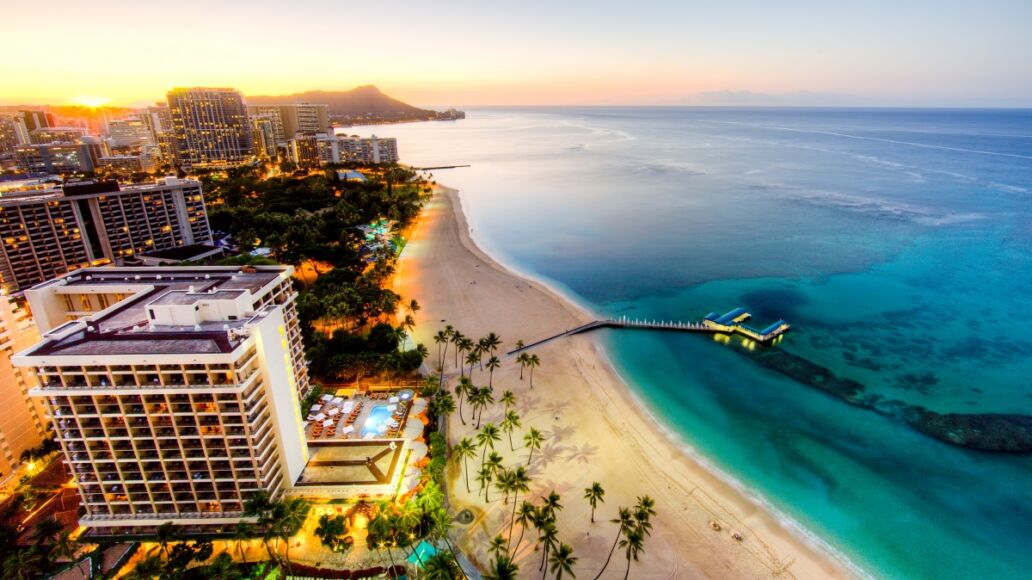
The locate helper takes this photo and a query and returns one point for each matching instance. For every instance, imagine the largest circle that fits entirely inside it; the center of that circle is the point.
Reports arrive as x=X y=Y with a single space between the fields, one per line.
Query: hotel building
x=21 y=424
x=59 y=158
x=210 y=127
x=46 y=233
x=345 y=148
x=46 y=135
x=288 y=120
x=174 y=391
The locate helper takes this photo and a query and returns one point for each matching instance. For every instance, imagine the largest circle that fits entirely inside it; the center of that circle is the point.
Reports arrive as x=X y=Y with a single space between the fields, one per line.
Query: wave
x=881 y=208
x=907 y=143
x=619 y=136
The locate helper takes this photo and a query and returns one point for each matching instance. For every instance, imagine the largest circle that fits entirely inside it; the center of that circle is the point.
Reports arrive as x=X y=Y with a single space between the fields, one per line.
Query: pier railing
x=705 y=326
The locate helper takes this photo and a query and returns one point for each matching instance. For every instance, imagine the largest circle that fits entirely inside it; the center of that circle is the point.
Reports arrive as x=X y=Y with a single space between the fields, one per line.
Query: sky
x=530 y=52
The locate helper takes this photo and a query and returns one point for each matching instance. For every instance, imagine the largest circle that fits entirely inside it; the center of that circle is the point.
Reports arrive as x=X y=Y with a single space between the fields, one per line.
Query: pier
x=732 y=322
x=439 y=167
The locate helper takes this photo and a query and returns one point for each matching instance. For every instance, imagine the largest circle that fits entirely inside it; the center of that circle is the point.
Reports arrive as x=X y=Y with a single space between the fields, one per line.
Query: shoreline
x=458 y=283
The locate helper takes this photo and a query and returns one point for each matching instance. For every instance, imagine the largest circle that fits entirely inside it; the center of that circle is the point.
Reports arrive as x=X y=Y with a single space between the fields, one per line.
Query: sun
x=90 y=101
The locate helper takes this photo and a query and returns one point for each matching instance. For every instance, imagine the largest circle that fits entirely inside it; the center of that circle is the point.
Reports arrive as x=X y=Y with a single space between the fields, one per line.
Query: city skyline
x=599 y=54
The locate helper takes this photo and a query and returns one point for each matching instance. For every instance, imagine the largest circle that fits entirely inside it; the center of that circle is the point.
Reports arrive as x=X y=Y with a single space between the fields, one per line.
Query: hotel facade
x=174 y=391
x=210 y=127
x=44 y=234
x=22 y=425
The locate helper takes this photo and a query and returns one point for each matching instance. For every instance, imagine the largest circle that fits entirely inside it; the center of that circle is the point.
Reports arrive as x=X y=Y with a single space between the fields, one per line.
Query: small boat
x=714 y=525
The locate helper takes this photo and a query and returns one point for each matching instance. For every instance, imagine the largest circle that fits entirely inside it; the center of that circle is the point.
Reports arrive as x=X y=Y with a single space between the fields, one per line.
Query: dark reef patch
x=981 y=431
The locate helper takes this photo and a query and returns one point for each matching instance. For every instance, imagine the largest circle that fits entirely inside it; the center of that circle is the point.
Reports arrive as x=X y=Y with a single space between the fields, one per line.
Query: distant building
x=130 y=133
x=174 y=391
x=304 y=150
x=210 y=127
x=46 y=233
x=263 y=128
x=12 y=133
x=57 y=158
x=22 y=425
x=121 y=163
x=288 y=120
x=355 y=149
x=37 y=119
x=46 y=135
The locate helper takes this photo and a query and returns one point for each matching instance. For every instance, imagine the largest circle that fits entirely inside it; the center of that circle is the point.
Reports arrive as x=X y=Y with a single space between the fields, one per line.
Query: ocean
x=898 y=245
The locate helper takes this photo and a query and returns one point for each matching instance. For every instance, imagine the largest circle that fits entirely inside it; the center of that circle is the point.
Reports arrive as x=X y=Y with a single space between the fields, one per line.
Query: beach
x=596 y=430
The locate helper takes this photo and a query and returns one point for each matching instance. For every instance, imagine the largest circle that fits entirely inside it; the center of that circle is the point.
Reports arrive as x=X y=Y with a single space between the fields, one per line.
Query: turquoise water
x=897 y=243
x=376 y=423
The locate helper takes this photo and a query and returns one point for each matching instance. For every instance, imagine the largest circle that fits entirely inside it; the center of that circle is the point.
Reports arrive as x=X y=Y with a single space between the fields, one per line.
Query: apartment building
x=45 y=135
x=22 y=426
x=46 y=233
x=174 y=391
x=59 y=158
x=352 y=148
x=210 y=127
x=288 y=120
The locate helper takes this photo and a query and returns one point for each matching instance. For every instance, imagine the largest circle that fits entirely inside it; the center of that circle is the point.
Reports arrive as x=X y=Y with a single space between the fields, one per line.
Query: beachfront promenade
x=729 y=323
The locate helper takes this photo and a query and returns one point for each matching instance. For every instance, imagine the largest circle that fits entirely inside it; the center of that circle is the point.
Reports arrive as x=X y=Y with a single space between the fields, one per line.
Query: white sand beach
x=596 y=430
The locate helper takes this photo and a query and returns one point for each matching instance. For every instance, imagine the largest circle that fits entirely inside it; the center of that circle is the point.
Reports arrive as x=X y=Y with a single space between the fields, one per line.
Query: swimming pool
x=376 y=424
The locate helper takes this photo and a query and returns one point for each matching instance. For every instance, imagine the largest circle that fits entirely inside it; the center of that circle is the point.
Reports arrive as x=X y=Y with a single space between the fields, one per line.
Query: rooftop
x=168 y=310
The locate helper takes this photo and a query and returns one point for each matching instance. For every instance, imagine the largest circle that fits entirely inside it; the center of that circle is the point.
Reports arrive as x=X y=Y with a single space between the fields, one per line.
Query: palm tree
x=520 y=481
x=465 y=387
x=465 y=345
x=522 y=359
x=508 y=399
x=497 y=547
x=634 y=544
x=23 y=564
x=329 y=530
x=166 y=534
x=492 y=342
x=473 y=358
x=413 y=306
x=222 y=567
x=563 y=560
x=594 y=494
x=503 y=481
x=481 y=399
x=46 y=531
x=242 y=533
x=441 y=566
x=486 y=438
x=550 y=504
x=510 y=423
x=484 y=477
x=526 y=515
x=65 y=547
x=532 y=361
x=442 y=405
x=492 y=364
x=441 y=339
x=502 y=568
x=533 y=440
x=293 y=516
x=463 y=451
x=494 y=461
x=643 y=512
x=456 y=340
x=624 y=521
x=547 y=537
x=519 y=345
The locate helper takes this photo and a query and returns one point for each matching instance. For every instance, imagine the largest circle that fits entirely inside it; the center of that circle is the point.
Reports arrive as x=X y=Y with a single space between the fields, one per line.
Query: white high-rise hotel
x=174 y=392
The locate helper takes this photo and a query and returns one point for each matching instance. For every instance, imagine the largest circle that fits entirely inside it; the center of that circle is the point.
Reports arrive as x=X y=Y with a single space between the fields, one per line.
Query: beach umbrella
x=419 y=450
x=326 y=398
x=411 y=482
x=333 y=411
x=413 y=429
x=315 y=408
x=320 y=417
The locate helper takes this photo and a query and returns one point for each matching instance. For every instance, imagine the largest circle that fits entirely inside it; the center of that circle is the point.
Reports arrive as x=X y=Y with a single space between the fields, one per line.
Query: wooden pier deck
x=706 y=326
